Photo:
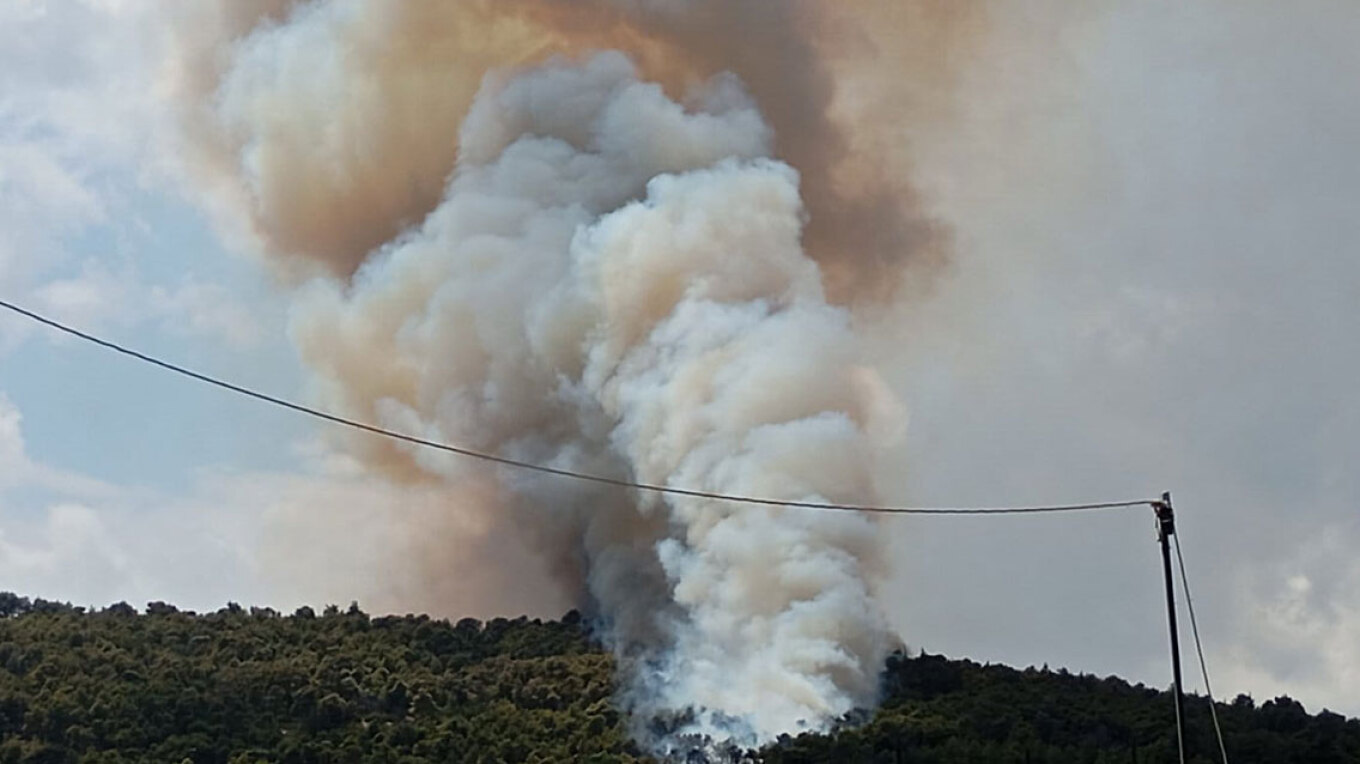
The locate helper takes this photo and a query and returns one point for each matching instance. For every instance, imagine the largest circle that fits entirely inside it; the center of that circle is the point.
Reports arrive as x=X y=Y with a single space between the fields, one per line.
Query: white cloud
x=1298 y=618
x=196 y=309
x=41 y=201
x=78 y=132
x=99 y=299
x=274 y=539
x=91 y=298
x=66 y=536
x=39 y=182
x=1155 y=289
x=74 y=76
x=14 y=464
x=327 y=533
x=19 y=470
x=70 y=545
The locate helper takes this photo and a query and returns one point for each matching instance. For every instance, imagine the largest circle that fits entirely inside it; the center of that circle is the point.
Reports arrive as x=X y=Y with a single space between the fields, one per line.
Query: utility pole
x=1166 y=525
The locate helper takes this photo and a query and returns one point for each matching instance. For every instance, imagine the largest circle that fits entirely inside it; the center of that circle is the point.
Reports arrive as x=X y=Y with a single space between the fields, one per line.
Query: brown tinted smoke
x=530 y=248
x=327 y=158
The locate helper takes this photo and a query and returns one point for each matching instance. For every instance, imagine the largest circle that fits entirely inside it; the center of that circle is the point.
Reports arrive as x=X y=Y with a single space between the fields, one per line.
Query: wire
x=517 y=464
x=1199 y=649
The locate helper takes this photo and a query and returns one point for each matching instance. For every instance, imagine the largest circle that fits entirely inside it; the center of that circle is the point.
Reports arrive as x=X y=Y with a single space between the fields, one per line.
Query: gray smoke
x=605 y=262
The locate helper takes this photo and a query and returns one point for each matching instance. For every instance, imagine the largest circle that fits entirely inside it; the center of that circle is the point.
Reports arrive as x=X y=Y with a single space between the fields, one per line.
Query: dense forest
x=239 y=685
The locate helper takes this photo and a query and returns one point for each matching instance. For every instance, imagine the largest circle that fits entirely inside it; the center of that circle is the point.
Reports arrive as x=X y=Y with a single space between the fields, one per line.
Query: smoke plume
x=634 y=238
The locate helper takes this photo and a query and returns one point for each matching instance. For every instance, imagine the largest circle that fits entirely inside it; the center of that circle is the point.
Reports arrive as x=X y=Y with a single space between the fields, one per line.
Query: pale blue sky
x=108 y=455
x=114 y=419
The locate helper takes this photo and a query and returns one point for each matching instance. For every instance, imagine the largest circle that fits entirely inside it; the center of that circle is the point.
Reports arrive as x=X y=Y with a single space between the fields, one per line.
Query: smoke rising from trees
x=651 y=262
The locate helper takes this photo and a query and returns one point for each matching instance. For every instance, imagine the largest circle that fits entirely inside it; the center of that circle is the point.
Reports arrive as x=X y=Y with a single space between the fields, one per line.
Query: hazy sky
x=1154 y=205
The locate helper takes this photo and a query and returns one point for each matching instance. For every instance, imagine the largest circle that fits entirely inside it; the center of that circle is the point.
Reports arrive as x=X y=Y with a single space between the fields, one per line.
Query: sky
x=1153 y=288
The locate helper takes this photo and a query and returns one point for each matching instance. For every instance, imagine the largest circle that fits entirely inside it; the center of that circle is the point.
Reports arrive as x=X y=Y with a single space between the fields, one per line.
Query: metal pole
x=1166 y=525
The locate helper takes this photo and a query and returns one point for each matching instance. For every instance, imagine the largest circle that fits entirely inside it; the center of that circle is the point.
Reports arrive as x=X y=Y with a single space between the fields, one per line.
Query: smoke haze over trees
x=1131 y=268
x=252 y=685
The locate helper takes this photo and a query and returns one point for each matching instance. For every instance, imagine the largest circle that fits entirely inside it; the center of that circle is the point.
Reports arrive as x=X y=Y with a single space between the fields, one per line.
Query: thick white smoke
x=614 y=283
x=649 y=264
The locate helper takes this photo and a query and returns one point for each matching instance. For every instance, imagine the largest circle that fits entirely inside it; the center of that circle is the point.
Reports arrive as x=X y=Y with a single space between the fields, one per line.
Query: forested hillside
x=256 y=686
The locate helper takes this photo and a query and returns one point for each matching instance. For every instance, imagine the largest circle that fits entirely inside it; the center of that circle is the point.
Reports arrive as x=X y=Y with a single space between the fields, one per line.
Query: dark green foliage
x=241 y=686
x=940 y=711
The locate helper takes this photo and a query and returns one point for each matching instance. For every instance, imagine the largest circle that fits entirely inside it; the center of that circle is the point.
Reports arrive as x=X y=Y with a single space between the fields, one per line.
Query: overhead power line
x=544 y=469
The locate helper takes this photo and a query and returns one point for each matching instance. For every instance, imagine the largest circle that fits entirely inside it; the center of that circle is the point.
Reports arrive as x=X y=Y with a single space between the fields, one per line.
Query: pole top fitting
x=1166 y=517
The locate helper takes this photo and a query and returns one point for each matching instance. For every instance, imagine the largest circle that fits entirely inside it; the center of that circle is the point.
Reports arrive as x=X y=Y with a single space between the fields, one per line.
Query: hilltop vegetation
x=253 y=685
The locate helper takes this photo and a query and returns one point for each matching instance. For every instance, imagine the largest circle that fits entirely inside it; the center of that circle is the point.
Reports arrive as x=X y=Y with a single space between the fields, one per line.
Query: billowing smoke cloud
x=330 y=127
x=642 y=264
